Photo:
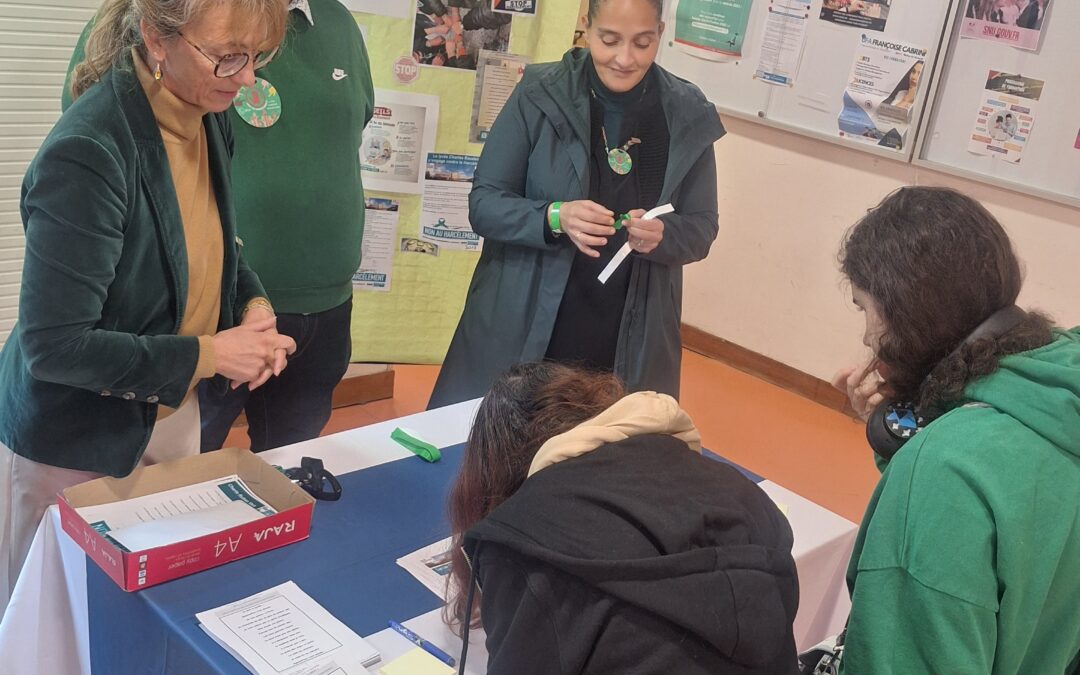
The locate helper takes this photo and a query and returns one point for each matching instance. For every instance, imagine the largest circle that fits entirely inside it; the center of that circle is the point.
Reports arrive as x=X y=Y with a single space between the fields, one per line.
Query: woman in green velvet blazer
x=96 y=348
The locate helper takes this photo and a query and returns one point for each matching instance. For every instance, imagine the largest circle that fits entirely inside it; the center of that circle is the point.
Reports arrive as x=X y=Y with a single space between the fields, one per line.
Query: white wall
x=771 y=283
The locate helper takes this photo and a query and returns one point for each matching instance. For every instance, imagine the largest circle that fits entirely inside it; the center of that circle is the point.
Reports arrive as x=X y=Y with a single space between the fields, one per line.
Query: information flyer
x=449 y=36
x=711 y=29
x=785 y=37
x=881 y=91
x=1017 y=23
x=400 y=135
x=397 y=8
x=1006 y=115
x=517 y=7
x=496 y=76
x=380 y=241
x=444 y=212
x=865 y=14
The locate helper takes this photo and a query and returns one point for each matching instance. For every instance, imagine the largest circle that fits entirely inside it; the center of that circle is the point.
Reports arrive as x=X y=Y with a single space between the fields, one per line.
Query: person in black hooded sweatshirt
x=592 y=536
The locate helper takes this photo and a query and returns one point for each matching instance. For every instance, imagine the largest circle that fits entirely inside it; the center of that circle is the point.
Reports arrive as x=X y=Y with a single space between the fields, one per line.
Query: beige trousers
x=28 y=488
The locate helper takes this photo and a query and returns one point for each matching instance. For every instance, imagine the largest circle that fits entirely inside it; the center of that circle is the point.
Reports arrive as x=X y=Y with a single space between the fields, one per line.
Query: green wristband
x=553 y=217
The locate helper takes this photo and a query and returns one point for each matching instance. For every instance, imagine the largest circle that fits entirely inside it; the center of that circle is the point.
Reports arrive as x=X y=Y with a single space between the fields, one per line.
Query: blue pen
x=422 y=643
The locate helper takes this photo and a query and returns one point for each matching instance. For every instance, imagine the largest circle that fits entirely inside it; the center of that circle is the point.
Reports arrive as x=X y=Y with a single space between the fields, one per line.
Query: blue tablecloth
x=348 y=565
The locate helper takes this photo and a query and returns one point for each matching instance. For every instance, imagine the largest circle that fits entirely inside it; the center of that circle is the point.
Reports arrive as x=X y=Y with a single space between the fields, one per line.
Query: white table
x=45 y=630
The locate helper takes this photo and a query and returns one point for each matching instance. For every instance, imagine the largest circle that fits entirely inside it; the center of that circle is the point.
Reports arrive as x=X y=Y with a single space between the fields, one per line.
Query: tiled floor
x=812 y=450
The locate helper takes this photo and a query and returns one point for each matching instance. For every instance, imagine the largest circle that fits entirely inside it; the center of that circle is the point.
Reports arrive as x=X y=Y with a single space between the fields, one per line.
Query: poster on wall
x=1006 y=115
x=579 y=33
x=377 y=249
x=712 y=29
x=1018 y=23
x=496 y=76
x=400 y=135
x=881 y=91
x=395 y=8
x=783 y=43
x=444 y=213
x=452 y=37
x=515 y=7
x=864 y=14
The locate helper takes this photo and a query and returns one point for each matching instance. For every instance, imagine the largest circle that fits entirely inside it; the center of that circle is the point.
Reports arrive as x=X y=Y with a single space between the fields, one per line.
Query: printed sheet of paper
x=177 y=515
x=430 y=565
x=515 y=7
x=1006 y=115
x=1017 y=23
x=785 y=38
x=712 y=29
x=865 y=14
x=496 y=76
x=451 y=36
x=380 y=242
x=283 y=631
x=881 y=92
x=396 y=8
x=444 y=212
x=399 y=137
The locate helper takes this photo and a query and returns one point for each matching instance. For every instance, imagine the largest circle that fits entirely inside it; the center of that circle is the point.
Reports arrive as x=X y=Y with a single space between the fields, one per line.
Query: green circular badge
x=619 y=161
x=259 y=105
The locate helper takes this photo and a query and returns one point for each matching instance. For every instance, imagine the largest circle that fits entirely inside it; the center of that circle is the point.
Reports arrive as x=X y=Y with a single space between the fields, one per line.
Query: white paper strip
x=625 y=250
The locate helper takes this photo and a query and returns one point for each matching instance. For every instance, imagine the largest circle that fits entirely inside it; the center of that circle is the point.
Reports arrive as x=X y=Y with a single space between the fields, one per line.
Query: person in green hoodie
x=602 y=133
x=968 y=557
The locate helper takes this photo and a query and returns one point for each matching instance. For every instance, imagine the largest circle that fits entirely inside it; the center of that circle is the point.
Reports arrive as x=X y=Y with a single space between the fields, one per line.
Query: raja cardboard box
x=134 y=570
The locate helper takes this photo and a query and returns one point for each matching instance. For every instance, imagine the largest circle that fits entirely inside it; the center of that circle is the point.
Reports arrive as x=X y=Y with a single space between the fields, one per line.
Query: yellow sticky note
x=416 y=662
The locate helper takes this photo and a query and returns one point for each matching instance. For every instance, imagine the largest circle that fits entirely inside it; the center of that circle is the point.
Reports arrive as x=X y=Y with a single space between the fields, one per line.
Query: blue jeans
x=296 y=405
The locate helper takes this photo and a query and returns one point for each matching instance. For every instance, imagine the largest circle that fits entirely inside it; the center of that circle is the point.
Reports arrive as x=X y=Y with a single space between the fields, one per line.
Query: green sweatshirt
x=968 y=558
x=296 y=185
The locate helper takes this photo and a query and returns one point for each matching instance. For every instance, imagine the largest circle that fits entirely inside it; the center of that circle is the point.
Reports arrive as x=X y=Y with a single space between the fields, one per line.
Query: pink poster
x=1018 y=23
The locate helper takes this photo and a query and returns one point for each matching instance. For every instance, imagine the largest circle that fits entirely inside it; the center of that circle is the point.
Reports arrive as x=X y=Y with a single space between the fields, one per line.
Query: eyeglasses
x=231 y=64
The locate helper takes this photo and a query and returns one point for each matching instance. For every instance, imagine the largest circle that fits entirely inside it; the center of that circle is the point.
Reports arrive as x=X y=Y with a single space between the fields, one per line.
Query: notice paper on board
x=283 y=631
x=1005 y=116
x=881 y=92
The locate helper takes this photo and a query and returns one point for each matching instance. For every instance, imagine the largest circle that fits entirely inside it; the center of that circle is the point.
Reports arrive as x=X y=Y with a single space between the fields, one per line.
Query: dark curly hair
x=937 y=264
x=594 y=8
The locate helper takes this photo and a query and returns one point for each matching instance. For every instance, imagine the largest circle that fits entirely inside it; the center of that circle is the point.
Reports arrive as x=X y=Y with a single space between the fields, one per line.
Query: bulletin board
x=413 y=321
x=1042 y=156
x=795 y=62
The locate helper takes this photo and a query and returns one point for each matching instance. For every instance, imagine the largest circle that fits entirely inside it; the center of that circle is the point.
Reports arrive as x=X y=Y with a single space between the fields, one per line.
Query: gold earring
x=157 y=72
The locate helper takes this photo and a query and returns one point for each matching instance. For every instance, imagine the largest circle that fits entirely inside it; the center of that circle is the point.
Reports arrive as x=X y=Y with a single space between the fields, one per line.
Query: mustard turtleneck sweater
x=182 y=131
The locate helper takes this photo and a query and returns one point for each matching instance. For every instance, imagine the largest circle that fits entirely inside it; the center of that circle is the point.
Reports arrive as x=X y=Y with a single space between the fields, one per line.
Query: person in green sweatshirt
x=300 y=217
x=968 y=557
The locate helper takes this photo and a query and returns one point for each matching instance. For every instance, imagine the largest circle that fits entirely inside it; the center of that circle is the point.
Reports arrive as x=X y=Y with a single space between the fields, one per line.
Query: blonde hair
x=117 y=29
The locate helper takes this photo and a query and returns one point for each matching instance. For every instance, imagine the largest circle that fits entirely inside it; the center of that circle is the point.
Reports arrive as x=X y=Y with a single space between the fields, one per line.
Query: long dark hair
x=525 y=407
x=937 y=264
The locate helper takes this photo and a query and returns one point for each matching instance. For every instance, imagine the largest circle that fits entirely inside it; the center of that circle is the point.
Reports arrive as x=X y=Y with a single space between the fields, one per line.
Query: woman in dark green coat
x=602 y=133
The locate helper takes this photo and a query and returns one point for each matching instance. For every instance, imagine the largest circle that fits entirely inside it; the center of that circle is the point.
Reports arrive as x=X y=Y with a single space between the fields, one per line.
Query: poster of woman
x=1018 y=23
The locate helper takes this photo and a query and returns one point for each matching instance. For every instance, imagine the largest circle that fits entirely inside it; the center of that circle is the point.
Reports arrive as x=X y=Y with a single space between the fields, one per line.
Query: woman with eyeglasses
x=133 y=286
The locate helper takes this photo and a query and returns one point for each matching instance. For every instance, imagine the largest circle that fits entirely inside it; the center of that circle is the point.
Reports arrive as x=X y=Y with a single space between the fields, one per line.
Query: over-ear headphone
x=894 y=423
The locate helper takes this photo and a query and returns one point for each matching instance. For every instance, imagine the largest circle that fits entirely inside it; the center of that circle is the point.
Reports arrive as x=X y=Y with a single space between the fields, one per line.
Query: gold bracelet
x=258 y=302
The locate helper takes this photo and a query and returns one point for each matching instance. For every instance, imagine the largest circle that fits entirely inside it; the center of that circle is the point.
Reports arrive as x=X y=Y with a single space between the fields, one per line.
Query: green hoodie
x=968 y=558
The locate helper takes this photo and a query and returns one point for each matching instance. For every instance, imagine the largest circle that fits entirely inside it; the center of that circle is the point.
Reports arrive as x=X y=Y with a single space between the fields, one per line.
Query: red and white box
x=135 y=570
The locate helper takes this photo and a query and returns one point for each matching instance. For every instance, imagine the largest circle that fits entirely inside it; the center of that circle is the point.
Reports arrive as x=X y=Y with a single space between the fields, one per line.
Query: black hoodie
x=638 y=557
